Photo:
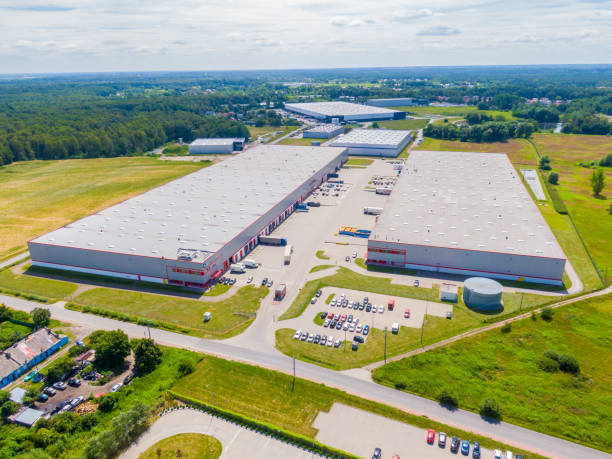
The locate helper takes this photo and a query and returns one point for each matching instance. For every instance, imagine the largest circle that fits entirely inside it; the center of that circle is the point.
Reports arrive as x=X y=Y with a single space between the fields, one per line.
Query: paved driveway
x=237 y=442
x=369 y=431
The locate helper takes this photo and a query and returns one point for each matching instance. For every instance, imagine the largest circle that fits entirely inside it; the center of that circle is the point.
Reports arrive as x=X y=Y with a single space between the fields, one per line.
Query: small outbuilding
x=216 y=146
x=27 y=416
x=482 y=293
x=448 y=292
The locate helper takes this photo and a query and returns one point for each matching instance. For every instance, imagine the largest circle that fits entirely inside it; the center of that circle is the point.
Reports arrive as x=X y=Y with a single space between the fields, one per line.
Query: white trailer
x=237 y=268
x=372 y=210
x=288 y=252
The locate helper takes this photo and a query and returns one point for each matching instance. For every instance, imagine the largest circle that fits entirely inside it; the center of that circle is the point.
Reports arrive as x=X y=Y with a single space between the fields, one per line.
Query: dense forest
x=92 y=115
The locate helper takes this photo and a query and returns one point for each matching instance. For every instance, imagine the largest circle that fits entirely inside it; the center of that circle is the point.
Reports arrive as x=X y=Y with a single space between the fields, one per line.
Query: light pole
x=293 y=383
x=385 y=344
x=521 y=306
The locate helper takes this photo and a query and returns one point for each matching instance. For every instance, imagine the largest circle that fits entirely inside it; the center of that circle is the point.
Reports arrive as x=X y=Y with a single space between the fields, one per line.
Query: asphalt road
x=502 y=431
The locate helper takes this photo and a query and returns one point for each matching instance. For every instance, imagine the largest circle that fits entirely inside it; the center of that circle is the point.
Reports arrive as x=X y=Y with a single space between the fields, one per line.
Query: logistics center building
x=374 y=142
x=344 y=111
x=323 y=131
x=465 y=213
x=188 y=231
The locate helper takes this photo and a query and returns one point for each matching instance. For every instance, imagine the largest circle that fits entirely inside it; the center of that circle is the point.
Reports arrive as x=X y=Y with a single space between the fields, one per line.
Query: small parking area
x=369 y=431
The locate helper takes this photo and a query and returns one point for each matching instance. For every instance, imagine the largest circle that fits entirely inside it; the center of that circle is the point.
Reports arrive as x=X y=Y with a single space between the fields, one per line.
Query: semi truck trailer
x=372 y=210
x=269 y=240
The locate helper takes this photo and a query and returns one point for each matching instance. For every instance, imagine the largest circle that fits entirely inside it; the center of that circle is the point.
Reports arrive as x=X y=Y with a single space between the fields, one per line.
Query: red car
x=330 y=316
x=431 y=436
x=407 y=314
x=343 y=318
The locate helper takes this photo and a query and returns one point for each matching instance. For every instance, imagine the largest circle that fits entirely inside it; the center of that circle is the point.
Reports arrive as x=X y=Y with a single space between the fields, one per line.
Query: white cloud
x=439 y=31
x=409 y=15
x=345 y=21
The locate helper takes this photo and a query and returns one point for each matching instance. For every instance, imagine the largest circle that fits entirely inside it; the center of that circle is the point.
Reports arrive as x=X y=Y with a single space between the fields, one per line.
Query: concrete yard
x=369 y=431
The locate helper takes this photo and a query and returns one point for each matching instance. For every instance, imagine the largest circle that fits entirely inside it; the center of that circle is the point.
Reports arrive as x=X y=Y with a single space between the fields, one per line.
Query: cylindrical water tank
x=482 y=293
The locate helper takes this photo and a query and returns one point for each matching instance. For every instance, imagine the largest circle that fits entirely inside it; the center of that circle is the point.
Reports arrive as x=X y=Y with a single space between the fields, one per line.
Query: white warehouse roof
x=473 y=201
x=217 y=141
x=201 y=211
x=325 y=128
x=386 y=138
x=337 y=109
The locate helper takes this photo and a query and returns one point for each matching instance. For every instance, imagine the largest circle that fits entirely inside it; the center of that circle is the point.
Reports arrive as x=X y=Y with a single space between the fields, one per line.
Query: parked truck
x=313 y=204
x=332 y=175
x=372 y=210
x=280 y=292
x=237 y=268
x=383 y=190
x=269 y=240
x=301 y=206
x=288 y=252
x=250 y=263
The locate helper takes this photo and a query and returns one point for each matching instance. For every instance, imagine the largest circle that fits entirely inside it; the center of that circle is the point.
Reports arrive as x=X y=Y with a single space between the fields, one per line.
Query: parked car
x=476 y=451
x=50 y=391
x=326 y=323
x=465 y=447
x=319 y=293
x=330 y=341
x=232 y=281
x=497 y=454
x=449 y=314
x=354 y=254
x=347 y=258
x=377 y=453
x=368 y=307
x=381 y=309
x=361 y=306
x=30 y=375
x=323 y=340
x=337 y=343
x=339 y=325
x=304 y=336
x=359 y=328
x=77 y=401
x=116 y=387
x=323 y=315
x=313 y=300
x=374 y=309
x=43 y=397
x=60 y=385
x=351 y=328
x=442 y=440
x=431 y=436
x=416 y=282
x=454 y=444
x=358 y=339
x=509 y=455
x=249 y=279
x=407 y=313
x=316 y=339
x=349 y=319
x=297 y=335
x=63 y=404
x=332 y=303
x=269 y=284
x=264 y=281
x=366 y=330
x=74 y=382
x=310 y=338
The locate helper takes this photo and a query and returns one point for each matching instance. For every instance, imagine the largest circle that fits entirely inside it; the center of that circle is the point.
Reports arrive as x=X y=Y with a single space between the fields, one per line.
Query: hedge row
x=126 y=317
x=26 y=296
x=266 y=428
x=558 y=203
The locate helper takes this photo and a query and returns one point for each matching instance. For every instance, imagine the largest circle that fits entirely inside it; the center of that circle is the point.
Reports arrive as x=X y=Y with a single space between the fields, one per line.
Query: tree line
x=492 y=131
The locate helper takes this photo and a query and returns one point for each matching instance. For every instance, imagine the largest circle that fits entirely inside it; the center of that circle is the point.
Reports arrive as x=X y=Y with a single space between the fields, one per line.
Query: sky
x=136 y=35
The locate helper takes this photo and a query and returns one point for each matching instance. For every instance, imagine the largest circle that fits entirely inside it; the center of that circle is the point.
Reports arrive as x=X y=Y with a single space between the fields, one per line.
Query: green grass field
x=188 y=445
x=301 y=141
x=589 y=213
x=49 y=288
x=232 y=384
x=227 y=315
x=39 y=196
x=413 y=124
x=11 y=333
x=504 y=366
x=263 y=130
x=519 y=151
x=359 y=162
x=314 y=269
x=453 y=111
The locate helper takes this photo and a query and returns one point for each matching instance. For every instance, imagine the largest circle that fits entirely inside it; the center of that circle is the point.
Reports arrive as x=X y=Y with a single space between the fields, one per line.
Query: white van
x=250 y=263
x=237 y=268
x=395 y=328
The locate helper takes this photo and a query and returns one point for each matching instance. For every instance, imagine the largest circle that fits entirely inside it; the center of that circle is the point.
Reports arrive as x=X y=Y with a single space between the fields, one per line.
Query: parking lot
x=369 y=431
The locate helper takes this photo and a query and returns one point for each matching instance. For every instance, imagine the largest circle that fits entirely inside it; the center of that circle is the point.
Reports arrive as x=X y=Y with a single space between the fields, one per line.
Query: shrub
x=489 y=408
x=185 y=367
x=400 y=384
x=551 y=355
x=548 y=364
x=569 y=364
x=448 y=398
x=533 y=316
x=107 y=403
x=506 y=328
x=545 y=163
x=547 y=314
x=554 y=178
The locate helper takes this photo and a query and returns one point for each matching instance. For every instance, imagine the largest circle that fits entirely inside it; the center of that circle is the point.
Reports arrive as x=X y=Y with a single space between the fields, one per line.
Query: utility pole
x=521 y=306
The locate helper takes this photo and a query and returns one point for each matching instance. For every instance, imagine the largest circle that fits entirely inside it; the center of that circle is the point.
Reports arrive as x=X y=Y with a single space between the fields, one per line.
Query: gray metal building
x=187 y=232
x=211 y=146
x=344 y=111
x=323 y=131
x=397 y=102
x=374 y=142
x=465 y=213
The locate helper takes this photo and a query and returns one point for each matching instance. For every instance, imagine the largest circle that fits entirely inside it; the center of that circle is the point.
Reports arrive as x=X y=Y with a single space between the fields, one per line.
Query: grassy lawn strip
x=217 y=289
x=36 y=285
x=359 y=162
x=314 y=269
x=345 y=278
x=303 y=141
x=321 y=254
x=504 y=366
x=227 y=315
x=189 y=445
x=35 y=196
x=277 y=404
x=407 y=124
x=519 y=151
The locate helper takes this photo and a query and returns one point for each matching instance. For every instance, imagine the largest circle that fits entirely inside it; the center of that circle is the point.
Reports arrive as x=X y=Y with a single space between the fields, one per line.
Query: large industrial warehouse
x=344 y=111
x=374 y=142
x=397 y=102
x=323 y=131
x=465 y=213
x=187 y=232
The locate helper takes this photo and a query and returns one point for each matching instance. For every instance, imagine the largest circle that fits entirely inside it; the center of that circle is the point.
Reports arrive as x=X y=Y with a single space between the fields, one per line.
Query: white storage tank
x=482 y=293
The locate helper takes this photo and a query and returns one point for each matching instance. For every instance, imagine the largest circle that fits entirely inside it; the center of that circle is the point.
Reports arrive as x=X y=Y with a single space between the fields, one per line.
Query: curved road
x=504 y=432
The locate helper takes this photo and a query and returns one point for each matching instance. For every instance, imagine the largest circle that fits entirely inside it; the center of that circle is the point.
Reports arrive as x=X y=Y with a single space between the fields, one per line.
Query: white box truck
x=237 y=268
x=288 y=251
x=250 y=263
x=372 y=210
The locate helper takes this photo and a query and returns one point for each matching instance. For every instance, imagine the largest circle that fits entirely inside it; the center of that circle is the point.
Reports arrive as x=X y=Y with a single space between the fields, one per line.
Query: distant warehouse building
x=398 y=102
x=216 y=146
x=465 y=213
x=323 y=131
x=187 y=232
x=344 y=111
x=374 y=142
